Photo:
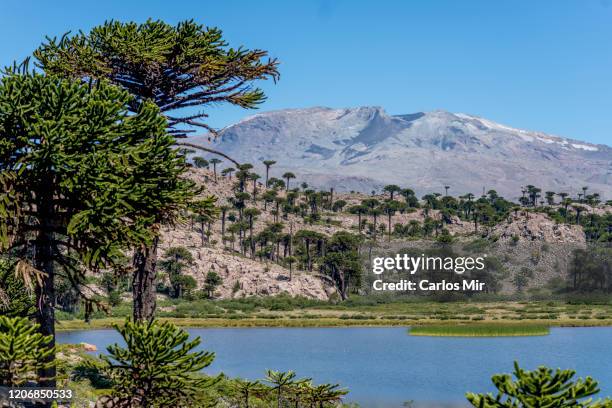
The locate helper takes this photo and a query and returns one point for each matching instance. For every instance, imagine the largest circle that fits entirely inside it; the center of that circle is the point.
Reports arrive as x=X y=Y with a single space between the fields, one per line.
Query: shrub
x=114 y=298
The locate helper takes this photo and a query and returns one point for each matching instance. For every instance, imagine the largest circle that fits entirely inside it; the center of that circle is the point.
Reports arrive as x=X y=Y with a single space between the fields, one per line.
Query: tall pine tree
x=181 y=69
x=81 y=178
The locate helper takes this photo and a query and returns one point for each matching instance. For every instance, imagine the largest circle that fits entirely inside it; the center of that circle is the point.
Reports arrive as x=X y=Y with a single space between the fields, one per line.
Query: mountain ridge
x=365 y=148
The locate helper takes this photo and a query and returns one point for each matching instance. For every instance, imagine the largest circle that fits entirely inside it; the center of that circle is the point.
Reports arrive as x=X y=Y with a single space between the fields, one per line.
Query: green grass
x=284 y=311
x=480 y=330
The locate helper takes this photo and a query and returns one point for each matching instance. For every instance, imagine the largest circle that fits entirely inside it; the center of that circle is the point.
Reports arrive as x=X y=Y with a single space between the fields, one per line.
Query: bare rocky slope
x=365 y=148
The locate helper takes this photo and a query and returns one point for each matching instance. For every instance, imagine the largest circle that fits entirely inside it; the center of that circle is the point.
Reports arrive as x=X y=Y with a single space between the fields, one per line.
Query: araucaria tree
x=81 y=179
x=180 y=69
x=268 y=164
x=176 y=260
x=341 y=262
x=23 y=351
x=540 y=388
x=157 y=368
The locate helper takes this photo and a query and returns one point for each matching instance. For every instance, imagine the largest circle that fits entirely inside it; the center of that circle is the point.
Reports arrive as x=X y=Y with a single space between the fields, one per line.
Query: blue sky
x=541 y=65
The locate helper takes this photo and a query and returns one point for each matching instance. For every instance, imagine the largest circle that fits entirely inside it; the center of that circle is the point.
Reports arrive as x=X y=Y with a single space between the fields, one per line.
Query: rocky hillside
x=365 y=148
x=521 y=235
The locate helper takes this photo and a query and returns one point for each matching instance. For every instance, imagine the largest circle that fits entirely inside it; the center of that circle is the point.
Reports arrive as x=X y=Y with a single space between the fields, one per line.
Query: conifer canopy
x=180 y=68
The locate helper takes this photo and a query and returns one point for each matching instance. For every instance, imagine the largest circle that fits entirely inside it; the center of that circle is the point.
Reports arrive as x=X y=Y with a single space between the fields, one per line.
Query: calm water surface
x=383 y=367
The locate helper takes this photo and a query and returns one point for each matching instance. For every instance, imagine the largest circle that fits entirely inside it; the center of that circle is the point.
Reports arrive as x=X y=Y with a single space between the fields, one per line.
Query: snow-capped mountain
x=365 y=148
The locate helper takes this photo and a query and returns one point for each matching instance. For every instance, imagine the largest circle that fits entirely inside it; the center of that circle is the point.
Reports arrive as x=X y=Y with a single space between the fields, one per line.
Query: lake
x=383 y=367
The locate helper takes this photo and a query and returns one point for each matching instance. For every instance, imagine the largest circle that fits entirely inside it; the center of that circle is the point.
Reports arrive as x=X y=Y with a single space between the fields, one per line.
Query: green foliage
x=445 y=237
x=197 y=308
x=541 y=388
x=176 y=260
x=205 y=212
x=341 y=261
x=158 y=367
x=82 y=175
x=15 y=299
x=114 y=298
x=244 y=391
x=23 y=351
x=590 y=270
x=286 y=390
x=521 y=278
x=112 y=170
x=479 y=330
x=200 y=162
x=279 y=382
x=211 y=282
x=325 y=394
x=177 y=67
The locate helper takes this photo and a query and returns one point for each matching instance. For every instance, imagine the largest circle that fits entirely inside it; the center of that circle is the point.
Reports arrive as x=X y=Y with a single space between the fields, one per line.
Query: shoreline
x=107 y=323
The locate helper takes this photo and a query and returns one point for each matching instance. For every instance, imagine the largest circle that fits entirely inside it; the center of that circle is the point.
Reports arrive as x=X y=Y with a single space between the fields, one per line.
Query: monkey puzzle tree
x=325 y=394
x=214 y=161
x=244 y=390
x=288 y=176
x=341 y=262
x=251 y=215
x=279 y=382
x=200 y=162
x=268 y=164
x=359 y=210
x=392 y=189
x=540 y=388
x=158 y=366
x=211 y=282
x=81 y=179
x=206 y=211
x=23 y=351
x=176 y=260
x=254 y=177
x=389 y=208
x=228 y=171
x=308 y=237
x=179 y=68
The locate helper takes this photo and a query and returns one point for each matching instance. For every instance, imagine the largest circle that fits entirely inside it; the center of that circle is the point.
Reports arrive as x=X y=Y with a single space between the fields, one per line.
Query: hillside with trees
x=275 y=239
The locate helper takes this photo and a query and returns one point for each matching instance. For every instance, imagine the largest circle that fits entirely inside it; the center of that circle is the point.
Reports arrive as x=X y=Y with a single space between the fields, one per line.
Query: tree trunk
x=341 y=284
x=143 y=282
x=45 y=299
x=223 y=225
x=202 y=232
